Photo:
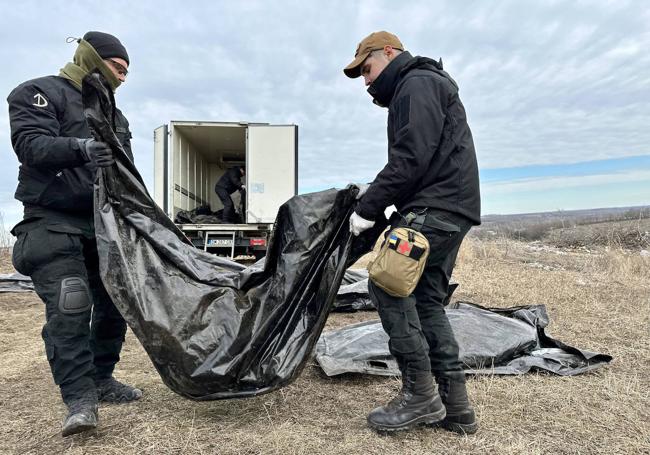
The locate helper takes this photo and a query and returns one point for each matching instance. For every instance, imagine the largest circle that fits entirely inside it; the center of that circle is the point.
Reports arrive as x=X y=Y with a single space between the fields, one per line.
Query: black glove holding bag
x=98 y=152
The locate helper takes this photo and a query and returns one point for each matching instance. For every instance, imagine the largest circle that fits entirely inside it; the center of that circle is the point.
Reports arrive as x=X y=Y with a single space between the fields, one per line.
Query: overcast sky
x=557 y=92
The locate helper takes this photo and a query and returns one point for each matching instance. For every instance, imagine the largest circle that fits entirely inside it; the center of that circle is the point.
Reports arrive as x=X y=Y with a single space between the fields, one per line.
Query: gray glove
x=98 y=152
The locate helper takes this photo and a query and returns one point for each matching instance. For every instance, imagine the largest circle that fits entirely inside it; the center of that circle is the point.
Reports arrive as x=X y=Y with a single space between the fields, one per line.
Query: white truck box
x=189 y=158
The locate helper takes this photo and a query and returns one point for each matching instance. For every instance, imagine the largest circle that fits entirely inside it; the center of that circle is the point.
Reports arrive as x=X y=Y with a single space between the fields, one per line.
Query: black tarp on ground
x=491 y=341
x=199 y=215
x=213 y=328
x=353 y=294
x=15 y=282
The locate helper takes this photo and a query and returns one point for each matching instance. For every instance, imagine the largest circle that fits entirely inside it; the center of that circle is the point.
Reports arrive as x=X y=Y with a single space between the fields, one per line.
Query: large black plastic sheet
x=213 y=328
x=491 y=341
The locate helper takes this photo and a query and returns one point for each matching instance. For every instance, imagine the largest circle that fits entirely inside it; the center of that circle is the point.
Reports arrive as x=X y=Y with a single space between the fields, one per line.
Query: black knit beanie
x=106 y=45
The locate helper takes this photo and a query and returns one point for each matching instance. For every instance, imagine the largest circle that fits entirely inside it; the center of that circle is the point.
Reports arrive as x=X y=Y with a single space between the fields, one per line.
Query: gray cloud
x=543 y=82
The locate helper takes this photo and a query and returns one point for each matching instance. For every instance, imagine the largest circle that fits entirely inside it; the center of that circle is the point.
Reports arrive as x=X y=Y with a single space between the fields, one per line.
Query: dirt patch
x=597 y=300
x=5 y=261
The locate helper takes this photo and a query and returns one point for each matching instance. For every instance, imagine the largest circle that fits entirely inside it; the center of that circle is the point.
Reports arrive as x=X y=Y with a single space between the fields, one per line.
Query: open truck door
x=271 y=151
x=161 y=168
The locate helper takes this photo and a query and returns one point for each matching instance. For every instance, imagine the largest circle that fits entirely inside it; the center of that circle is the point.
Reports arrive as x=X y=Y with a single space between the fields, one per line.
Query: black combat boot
x=460 y=414
x=417 y=403
x=82 y=415
x=113 y=391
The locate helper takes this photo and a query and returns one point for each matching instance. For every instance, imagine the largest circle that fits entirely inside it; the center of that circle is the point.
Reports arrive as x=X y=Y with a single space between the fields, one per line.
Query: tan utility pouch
x=400 y=262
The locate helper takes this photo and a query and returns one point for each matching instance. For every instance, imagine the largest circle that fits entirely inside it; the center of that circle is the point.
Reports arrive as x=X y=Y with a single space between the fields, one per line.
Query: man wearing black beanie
x=56 y=243
x=107 y=46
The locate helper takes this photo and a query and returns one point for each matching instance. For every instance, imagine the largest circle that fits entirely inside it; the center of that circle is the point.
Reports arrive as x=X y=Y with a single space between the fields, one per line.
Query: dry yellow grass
x=598 y=300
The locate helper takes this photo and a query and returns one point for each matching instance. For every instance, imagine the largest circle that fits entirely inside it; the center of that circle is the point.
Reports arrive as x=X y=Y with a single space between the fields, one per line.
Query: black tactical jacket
x=431 y=157
x=46 y=118
x=230 y=180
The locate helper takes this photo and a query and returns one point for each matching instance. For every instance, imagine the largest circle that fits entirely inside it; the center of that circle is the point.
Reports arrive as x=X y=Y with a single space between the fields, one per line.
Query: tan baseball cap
x=372 y=42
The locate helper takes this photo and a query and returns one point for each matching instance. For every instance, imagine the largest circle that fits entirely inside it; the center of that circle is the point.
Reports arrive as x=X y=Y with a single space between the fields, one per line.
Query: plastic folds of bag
x=490 y=341
x=213 y=328
x=15 y=282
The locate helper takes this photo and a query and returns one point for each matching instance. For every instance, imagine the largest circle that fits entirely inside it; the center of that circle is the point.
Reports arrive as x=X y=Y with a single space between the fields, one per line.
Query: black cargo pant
x=83 y=332
x=229 y=215
x=420 y=335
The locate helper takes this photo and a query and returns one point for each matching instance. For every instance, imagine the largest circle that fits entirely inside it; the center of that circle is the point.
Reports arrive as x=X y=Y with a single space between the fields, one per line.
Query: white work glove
x=358 y=224
x=363 y=187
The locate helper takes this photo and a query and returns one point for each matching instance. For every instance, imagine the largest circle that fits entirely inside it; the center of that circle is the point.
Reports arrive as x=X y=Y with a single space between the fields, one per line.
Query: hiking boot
x=82 y=415
x=113 y=391
x=460 y=414
x=417 y=403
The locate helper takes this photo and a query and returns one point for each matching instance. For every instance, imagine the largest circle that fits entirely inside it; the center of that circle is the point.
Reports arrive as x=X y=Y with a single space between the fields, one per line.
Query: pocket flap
x=64 y=228
x=24 y=226
x=436 y=223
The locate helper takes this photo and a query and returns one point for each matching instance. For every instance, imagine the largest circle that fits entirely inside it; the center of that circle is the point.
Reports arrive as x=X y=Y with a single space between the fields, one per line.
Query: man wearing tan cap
x=432 y=175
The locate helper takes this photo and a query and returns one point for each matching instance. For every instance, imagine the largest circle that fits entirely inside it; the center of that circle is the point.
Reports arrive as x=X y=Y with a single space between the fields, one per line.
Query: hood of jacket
x=383 y=88
x=84 y=61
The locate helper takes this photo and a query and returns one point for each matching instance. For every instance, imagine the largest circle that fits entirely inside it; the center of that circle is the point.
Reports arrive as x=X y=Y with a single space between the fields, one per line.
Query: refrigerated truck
x=189 y=158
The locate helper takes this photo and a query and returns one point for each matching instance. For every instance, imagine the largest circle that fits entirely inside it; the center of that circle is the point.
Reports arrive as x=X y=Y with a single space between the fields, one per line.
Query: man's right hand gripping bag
x=400 y=262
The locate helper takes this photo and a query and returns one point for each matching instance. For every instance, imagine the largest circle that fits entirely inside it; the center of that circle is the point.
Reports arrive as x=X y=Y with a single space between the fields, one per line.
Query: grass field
x=597 y=298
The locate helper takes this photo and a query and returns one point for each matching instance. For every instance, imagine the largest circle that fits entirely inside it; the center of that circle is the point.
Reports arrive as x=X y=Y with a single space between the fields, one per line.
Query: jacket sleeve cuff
x=80 y=146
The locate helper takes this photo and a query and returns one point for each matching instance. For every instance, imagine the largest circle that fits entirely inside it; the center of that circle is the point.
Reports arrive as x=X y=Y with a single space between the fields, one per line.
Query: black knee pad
x=74 y=296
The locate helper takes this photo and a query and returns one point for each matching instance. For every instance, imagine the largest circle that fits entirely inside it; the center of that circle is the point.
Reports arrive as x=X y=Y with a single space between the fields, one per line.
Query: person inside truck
x=56 y=244
x=230 y=182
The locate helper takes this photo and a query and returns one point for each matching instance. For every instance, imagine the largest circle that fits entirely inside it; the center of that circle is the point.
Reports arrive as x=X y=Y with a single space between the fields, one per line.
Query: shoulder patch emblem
x=40 y=100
